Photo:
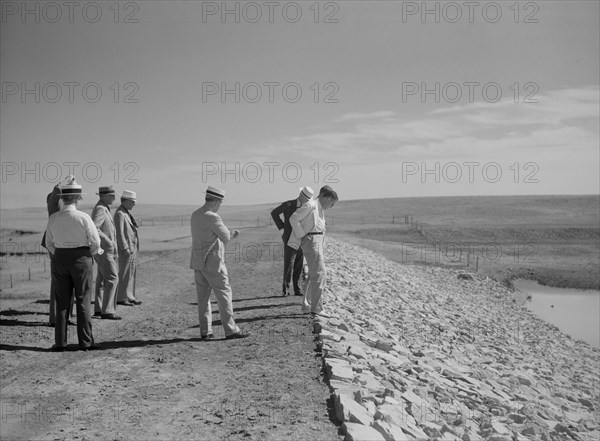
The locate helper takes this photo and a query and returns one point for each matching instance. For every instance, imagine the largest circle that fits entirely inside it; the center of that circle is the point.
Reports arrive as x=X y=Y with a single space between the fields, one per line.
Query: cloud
x=563 y=120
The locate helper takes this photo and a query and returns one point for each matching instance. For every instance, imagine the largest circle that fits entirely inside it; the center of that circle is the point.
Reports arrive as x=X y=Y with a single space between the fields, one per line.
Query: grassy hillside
x=553 y=239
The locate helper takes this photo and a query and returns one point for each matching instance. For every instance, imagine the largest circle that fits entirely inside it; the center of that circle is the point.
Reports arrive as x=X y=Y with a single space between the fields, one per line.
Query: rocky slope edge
x=416 y=352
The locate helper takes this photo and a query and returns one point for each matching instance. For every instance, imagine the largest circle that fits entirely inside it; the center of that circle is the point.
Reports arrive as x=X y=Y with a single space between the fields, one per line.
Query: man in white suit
x=209 y=237
x=107 y=275
x=128 y=247
x=308 y=227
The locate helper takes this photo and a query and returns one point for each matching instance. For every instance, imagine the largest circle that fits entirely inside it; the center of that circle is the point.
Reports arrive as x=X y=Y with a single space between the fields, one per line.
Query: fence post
x=468 y=258
x=29 y=273
x=477 y=264
x=11 y=281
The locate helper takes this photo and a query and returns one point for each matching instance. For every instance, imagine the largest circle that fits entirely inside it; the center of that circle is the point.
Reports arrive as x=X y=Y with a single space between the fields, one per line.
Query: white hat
x=216 y=192
x=128 y=194
x=72 y=188
x=307 y=192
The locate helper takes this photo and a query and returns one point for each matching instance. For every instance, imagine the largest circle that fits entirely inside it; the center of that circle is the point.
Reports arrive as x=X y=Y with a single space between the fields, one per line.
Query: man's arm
x=122 y=243
x=49 y=239
x=220 y=229
x=304 y=210
x=99 y=217
x=92 y=235
x=276 y=215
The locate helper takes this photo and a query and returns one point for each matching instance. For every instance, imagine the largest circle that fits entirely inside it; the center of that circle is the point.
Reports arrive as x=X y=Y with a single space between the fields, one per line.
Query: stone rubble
x=414 y=352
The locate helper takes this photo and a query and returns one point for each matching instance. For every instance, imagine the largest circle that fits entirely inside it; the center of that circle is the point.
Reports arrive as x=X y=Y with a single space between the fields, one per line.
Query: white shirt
x=71 y=228
x=309 y=218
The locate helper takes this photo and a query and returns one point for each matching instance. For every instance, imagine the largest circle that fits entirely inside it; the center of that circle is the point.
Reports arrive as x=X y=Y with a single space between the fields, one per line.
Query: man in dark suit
x=291 y=258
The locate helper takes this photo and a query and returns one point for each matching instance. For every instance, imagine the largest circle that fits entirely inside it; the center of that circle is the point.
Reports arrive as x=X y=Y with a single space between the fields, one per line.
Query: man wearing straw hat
x=128 y=247
x=291 y=258
x=72 y=238
x=53 y=205
x=108 y=272
x=209 y=237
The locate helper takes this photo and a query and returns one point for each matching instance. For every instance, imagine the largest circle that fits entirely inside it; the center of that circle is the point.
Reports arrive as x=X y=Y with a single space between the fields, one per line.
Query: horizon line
x=348 y=200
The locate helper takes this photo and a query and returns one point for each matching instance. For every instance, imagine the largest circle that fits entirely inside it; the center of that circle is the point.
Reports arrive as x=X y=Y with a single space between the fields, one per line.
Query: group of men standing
x=303 y=233
x=74 y=240
x=117 y=265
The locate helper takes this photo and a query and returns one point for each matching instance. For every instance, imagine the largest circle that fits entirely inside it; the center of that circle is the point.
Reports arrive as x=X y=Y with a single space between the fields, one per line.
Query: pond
x=575 y=312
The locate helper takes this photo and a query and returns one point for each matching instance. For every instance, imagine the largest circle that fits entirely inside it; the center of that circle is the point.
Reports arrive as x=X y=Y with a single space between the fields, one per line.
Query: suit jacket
x=127 y=236
x=287 y=209
x=106 y=227
x=209 y=236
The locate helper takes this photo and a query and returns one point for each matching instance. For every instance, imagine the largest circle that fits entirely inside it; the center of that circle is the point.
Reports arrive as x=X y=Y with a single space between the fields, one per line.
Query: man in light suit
x=209 y=237
x=291 y=258
x=308 y=226
x=128 y=247
x=108 y=272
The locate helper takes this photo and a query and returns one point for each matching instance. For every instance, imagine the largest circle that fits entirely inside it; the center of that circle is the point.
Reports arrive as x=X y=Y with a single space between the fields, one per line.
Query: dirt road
x=154 y=379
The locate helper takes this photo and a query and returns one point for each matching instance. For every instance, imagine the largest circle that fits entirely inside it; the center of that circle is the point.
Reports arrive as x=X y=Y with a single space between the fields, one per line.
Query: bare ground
x=154 y=379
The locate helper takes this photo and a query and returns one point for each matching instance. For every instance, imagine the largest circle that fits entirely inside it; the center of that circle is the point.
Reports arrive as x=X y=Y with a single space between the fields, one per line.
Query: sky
x=374 y=98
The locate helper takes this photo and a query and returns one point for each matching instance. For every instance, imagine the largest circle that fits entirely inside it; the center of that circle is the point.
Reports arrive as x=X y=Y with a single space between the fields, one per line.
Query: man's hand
x=234 y=234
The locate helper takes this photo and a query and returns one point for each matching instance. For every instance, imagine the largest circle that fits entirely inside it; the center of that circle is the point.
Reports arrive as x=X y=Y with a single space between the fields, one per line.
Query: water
x=575 y=312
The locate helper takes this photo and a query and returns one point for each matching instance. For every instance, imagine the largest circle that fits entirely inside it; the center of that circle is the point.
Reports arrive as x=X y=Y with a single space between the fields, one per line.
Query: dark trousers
x=53 y=296
x=292 y=268
x=73 y=273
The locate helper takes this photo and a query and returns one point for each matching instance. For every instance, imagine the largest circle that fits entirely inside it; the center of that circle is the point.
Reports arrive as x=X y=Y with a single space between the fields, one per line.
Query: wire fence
x=263 y=221
x=27 y=266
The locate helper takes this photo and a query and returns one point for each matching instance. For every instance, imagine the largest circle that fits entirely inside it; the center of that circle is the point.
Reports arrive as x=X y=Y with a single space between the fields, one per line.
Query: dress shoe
x=321 y=314
x=55 y=348
x=239 y=334
x=93 y=347
x=207 y=337
x=136 y=302
x=298 y=293
x=97 y=314
x=111 y=317
x=125 y=303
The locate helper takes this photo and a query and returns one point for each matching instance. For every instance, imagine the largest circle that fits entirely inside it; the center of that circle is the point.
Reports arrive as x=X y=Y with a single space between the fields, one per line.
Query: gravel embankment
x=421 y=352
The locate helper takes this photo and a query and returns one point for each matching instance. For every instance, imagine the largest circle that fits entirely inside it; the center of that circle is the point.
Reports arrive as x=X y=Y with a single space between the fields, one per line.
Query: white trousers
x=213 y=277
x=312 y=247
